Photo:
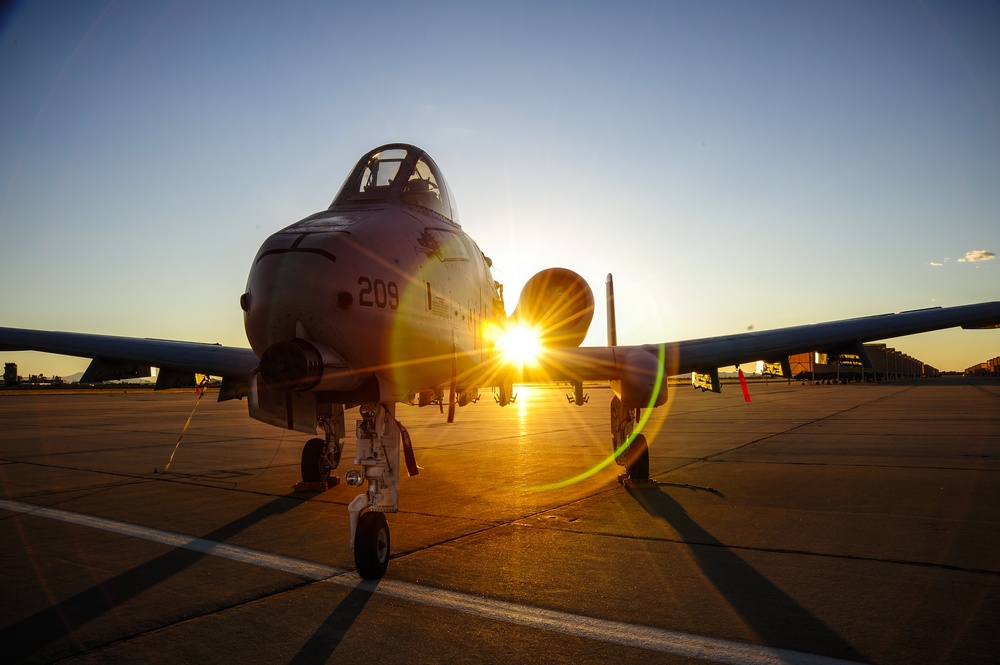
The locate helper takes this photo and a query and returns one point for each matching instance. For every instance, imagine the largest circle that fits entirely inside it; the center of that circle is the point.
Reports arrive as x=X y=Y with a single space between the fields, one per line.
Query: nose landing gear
x=378 y=456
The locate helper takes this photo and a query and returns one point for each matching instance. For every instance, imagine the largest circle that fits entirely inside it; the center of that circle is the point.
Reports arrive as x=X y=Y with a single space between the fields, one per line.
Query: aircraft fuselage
x=396 y=291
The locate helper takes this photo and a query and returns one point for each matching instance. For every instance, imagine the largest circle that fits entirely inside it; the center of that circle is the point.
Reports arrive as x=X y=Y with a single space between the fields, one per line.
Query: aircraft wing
x=128 y=357
x=708 y=354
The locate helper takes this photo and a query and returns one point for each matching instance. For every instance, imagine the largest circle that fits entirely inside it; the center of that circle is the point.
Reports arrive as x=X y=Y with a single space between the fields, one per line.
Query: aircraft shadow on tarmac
x=33 y=633
x=321 y=645
x=774 y=615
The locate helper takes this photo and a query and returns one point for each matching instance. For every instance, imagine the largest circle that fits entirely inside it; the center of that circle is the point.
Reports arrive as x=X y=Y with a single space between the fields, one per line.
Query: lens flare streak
x=644 y=418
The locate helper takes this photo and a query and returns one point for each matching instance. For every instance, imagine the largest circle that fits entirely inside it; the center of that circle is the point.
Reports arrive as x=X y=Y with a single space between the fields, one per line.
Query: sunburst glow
x=520 y=344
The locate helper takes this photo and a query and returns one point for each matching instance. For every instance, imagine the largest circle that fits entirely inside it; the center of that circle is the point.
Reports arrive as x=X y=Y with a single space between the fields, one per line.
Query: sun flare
x=520 y=344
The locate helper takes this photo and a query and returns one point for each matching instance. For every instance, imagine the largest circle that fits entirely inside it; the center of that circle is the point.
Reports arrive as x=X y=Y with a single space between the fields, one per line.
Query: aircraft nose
x=291 y=292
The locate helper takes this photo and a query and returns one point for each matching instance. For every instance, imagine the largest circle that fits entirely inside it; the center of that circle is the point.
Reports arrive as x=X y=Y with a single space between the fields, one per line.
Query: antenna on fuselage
x=609 y=287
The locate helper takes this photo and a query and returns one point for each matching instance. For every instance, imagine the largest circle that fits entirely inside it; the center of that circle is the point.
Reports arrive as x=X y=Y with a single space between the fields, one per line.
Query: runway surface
x=851 y=522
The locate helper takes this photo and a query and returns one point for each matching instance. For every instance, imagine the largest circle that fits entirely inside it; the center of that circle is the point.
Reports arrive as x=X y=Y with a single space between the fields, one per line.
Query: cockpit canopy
x=398 y=172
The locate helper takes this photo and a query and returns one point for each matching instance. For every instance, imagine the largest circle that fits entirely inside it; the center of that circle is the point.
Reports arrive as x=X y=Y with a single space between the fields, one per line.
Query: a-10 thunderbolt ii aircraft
x=382 y=298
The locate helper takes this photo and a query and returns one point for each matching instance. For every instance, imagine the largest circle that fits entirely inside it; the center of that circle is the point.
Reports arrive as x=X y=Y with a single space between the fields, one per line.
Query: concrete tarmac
x=851 y=522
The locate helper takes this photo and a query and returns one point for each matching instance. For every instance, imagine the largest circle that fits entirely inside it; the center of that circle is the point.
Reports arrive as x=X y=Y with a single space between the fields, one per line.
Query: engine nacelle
x=638 y=386
x=299 y=365
x=559 y=304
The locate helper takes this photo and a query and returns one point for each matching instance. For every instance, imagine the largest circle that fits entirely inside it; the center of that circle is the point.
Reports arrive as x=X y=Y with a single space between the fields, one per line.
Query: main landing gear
x=320 y=457
x=635 y=457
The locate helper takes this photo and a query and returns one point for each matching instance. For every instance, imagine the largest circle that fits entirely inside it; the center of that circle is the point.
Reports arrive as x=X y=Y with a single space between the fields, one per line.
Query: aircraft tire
x=315 y=468
x=371 y=546
x=637 y=456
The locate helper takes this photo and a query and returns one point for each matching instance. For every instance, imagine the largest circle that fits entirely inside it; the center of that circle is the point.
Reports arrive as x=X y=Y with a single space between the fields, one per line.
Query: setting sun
x=520 y=344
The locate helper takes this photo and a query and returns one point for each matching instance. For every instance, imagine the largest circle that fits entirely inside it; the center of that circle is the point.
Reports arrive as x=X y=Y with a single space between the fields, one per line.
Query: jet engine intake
x=300 y=365
x=558 y=304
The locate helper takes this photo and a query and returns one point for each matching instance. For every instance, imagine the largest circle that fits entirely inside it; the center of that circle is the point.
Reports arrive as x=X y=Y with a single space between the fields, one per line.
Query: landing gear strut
x=635 y=456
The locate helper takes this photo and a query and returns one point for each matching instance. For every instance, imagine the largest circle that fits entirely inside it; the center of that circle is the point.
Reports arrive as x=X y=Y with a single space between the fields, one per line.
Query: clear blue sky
x=734 y=164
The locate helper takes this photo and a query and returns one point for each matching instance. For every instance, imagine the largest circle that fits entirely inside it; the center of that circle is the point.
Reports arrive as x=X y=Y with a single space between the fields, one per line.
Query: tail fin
x=609 y=285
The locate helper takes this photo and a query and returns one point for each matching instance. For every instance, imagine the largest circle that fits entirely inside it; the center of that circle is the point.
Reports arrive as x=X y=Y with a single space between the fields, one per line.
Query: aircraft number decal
x=378 y=293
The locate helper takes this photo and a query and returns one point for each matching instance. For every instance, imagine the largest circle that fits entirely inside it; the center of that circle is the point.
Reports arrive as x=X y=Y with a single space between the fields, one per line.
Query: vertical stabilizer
x=609 y=285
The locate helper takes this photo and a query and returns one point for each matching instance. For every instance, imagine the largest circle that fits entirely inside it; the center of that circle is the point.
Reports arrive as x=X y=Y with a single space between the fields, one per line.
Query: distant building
x=887 y=364
x=10 y=377
x=989 y=368
x=42 y=380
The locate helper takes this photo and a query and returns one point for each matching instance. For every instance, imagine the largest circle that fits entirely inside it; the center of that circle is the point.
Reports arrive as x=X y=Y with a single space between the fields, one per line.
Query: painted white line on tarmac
x=614 y=632
x=313 y=571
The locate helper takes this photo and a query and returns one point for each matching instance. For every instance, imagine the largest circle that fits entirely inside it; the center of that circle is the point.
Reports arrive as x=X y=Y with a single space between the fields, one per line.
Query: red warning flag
x=743 y=385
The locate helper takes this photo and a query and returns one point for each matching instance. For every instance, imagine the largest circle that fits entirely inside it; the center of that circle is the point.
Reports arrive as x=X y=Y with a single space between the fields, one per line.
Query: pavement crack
x=556 y=526
x=186 y=619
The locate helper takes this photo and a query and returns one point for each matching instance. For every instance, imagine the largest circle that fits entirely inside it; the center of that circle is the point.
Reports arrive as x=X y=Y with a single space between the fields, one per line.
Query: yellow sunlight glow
x=520 y=345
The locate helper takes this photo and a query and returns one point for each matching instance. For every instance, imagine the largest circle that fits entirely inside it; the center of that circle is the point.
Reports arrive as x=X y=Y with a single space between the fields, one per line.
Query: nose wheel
x=371 y=546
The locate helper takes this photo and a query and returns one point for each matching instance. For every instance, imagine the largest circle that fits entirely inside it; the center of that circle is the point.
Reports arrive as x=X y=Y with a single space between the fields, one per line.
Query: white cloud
x=935 y=263
x=977 y=255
